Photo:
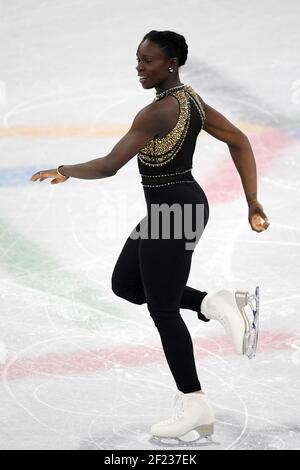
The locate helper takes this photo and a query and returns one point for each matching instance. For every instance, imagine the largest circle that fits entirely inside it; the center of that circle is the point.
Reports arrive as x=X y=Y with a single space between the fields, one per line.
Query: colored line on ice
x=225 y=185
x=33 y=266
x=108 y=359
x=63 y=131
x=222 y=186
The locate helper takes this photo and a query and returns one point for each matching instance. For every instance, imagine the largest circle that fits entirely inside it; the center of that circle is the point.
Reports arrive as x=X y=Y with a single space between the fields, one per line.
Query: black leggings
x=155 y=271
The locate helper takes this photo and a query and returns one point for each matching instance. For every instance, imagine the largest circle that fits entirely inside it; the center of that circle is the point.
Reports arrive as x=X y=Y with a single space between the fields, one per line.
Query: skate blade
x=199 y=437
x=251 y=336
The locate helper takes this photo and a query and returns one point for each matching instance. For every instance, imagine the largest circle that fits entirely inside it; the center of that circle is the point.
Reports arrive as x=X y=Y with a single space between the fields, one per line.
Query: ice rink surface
x=80 y=367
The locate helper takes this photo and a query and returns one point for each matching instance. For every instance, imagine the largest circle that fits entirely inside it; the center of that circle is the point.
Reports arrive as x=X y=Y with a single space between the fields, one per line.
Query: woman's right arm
x=146 y=124
x=144 y=127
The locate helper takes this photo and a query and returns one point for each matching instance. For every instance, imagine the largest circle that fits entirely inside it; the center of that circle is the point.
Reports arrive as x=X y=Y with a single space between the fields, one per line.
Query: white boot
x=238 y=312
x=193 y=419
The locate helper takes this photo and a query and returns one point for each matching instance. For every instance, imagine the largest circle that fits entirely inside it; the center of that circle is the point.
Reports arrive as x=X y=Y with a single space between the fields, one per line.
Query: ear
x=173 y=62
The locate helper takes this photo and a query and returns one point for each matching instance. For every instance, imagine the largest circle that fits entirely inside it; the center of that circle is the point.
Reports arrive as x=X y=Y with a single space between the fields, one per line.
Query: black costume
x=153 y=269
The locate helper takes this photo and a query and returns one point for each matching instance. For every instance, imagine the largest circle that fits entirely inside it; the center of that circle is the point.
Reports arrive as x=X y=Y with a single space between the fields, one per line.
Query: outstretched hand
x=257 y=218
x=42 y=175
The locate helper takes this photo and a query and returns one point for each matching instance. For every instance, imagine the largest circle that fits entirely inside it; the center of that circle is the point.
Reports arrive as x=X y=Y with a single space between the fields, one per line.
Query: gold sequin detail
x=157 y=151
x=160 y=151
x=197 y=103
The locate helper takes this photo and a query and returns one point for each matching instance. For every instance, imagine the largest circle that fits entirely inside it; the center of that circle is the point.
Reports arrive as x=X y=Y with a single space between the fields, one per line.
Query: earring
x=170 y=69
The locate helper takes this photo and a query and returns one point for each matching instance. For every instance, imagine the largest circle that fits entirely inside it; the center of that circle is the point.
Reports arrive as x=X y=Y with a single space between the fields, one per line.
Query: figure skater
x=153 y=268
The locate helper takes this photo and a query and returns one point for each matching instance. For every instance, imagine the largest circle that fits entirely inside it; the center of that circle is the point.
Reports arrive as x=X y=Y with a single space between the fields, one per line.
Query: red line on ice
x=223 y=187
x=226 y=184
x=129 y=356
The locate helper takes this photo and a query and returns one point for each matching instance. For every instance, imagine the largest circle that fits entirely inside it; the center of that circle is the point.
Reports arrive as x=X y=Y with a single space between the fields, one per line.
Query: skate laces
x=178 y=410
x=221 y=318
x=178 y=407
x=218 y=315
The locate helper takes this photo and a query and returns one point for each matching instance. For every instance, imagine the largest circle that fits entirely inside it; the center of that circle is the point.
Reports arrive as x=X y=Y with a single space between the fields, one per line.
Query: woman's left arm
x=242 y=155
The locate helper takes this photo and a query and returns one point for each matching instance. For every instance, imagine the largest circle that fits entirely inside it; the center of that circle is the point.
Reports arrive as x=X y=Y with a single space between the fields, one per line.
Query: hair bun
x=173 y=43
x=180 y=43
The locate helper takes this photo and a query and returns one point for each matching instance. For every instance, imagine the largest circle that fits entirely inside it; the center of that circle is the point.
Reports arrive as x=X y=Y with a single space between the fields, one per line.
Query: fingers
x=35 y=177
x=258 y=209
x=40 y=175
x=43 y=175
x=257 y=218
x=258 y=223
x=256 y=229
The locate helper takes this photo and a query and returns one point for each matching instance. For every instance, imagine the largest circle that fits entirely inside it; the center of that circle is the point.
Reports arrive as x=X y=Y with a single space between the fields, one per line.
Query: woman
x=154 y=269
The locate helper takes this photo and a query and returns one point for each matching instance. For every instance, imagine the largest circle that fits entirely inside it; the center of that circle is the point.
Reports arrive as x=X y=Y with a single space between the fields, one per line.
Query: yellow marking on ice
x=64 y=131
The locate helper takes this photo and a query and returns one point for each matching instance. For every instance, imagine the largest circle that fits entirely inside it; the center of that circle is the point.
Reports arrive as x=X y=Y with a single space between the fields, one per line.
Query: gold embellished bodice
x=180 y=141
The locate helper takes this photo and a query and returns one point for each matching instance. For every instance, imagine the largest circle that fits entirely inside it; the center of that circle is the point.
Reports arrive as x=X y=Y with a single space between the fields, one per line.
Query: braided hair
x=172 y=43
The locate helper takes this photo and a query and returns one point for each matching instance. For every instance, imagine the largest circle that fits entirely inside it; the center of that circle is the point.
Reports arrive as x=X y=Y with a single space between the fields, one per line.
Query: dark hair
x=173 y=44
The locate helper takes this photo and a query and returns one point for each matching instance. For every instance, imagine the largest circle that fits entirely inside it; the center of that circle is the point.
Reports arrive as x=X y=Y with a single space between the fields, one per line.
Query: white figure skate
x=238 y=312
x=192 y=423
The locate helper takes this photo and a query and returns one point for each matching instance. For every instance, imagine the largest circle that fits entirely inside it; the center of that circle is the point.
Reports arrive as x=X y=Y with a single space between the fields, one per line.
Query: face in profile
x=152 y=64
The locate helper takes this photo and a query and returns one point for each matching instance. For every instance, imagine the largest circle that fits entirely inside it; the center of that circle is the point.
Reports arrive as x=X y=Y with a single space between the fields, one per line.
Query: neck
x=168 y=84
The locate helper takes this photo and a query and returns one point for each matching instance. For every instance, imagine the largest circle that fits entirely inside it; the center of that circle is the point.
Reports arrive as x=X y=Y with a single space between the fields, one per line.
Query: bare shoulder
x=148 y=112
x=153 y=116
x=148 y=117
